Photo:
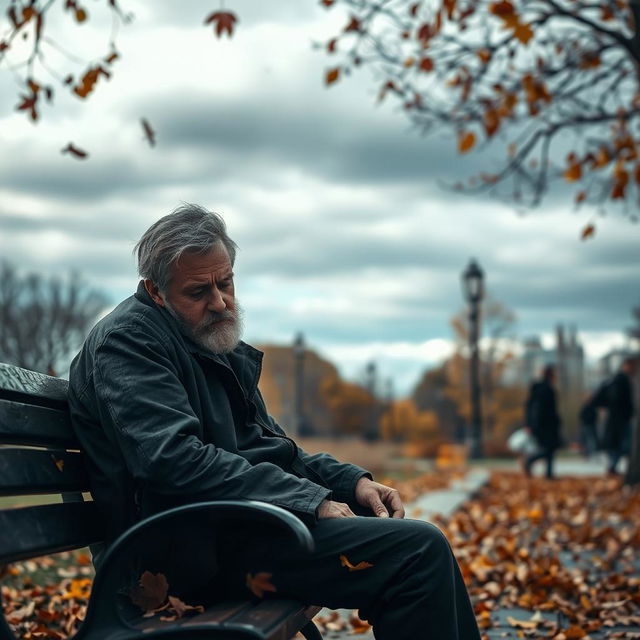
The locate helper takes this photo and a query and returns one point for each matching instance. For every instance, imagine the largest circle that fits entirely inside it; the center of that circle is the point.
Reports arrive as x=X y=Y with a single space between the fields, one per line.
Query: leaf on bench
x=181 y=608
x=259 y=583
x=151 y=591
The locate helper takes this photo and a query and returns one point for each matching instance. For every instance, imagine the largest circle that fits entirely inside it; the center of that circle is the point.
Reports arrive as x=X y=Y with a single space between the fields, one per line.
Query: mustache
x=218 y=316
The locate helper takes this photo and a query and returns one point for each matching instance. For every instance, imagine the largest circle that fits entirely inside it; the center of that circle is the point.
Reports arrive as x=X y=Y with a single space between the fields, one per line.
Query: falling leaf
x=332 y=75
x=344 y=561
x=327 y=3
x=466 y=140
x=76 y=152
x=331 y=45
x=150 y=592
x=259 y=583
x=81 y=15
x=58 y=463
x=149 y=133
x=225 y=22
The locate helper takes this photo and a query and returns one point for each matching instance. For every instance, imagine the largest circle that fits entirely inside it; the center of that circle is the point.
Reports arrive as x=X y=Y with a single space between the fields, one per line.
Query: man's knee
x=426 y=541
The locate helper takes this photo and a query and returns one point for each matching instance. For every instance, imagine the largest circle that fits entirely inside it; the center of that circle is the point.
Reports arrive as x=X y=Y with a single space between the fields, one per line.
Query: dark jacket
x=619 y=405
x=542 y=414
x=164 y=422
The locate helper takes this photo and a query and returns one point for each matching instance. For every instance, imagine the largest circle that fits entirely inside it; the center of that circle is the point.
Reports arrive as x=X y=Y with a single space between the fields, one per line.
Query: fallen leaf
x=259 y=583
x=150 y=592
x=344 y=561
x=181 y=608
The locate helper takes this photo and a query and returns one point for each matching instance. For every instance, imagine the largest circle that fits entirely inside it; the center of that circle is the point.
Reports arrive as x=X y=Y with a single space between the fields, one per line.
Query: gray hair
x=189 y=227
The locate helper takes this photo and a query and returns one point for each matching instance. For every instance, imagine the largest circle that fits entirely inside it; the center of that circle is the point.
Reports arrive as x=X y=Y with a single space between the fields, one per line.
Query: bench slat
x=31 y=471
x=213 y=615
x=29 y=532
x=34 y=386
x=32 y=425
x=276 y=619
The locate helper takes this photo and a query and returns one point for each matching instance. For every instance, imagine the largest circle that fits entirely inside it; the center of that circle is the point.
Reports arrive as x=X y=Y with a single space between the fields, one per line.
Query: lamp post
x=473 y=287
x=298 y=357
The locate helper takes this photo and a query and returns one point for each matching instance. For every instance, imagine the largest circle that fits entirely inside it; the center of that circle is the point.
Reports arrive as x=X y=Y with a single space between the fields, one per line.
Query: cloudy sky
x=345 y=231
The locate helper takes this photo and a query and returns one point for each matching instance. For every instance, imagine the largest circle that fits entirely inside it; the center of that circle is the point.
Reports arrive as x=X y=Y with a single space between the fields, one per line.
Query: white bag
x=522 y=441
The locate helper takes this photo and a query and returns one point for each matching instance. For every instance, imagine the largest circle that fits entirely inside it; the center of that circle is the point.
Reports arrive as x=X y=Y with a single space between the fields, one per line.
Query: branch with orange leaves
x=521 y=73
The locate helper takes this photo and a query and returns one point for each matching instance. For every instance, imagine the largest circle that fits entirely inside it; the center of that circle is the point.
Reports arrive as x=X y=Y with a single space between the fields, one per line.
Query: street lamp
x=473 y=287
x=298 y=357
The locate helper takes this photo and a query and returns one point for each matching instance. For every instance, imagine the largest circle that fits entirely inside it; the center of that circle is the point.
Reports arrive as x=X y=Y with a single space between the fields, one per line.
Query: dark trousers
x=546 y=453
x=413 y=590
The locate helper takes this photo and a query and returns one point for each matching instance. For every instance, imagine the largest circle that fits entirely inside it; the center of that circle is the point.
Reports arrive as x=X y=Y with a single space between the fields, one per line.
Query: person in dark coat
x=164 y=399
x=542 y=418
x=619 y=405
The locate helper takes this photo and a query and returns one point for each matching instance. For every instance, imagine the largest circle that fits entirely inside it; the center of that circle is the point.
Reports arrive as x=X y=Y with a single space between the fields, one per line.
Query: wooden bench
x=40 y=455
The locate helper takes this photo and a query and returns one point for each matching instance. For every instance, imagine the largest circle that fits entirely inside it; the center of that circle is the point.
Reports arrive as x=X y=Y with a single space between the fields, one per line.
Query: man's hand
x=331 y=509
x=382 y=500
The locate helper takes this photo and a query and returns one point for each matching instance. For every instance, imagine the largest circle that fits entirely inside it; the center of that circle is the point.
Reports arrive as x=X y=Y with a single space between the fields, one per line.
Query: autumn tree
x=420 y=429
x=351 y=406
x=43 y=321
x=43 y=62
x=553 y=85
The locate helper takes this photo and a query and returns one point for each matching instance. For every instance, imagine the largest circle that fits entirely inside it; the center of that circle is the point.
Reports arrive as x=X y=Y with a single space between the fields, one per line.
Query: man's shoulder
x=129 y=315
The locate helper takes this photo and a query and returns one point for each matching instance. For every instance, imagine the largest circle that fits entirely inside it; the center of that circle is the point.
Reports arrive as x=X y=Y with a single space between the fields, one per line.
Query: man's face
x=201 y=297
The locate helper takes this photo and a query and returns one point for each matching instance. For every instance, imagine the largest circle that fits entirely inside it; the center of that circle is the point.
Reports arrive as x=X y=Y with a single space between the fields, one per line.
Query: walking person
x=543 y=420
x=619 y=405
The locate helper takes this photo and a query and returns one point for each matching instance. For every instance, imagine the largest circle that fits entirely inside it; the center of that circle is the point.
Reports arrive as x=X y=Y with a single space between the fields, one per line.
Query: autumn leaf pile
x=35 y=607
x=566 y=546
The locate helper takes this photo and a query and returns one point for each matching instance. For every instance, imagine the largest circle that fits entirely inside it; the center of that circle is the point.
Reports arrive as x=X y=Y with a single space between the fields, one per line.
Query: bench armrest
x=103 y=610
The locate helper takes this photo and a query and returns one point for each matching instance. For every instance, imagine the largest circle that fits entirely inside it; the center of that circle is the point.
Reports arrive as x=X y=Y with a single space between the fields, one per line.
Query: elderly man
x=164 y=400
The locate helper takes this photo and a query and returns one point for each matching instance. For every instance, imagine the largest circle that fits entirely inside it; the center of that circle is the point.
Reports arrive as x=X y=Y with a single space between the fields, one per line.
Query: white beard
x=222 y=337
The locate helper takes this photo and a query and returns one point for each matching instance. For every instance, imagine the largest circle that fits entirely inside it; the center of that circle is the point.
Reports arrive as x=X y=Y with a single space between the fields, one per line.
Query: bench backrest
x=40 y=455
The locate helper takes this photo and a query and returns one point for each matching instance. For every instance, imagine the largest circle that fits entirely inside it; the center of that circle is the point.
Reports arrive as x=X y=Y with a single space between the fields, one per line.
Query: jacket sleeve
x=145 y=406
x=323 y=468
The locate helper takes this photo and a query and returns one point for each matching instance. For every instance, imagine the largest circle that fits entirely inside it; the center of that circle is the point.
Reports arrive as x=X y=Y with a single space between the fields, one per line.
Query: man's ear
x=154 y=292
